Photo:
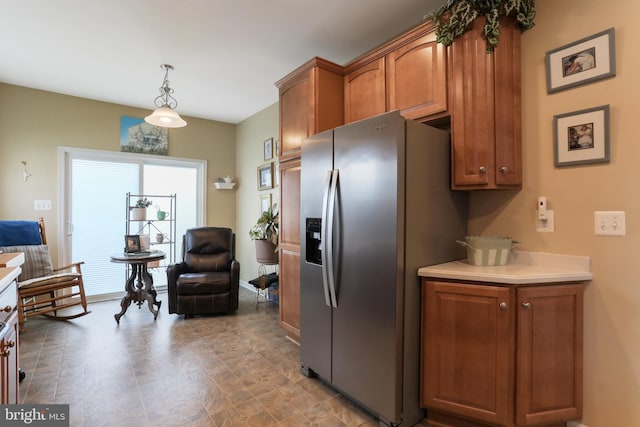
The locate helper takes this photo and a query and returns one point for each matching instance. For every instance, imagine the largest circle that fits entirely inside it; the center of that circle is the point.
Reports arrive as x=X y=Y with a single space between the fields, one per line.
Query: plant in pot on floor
x=456 y=16
x=265 y=234
x=139 y=210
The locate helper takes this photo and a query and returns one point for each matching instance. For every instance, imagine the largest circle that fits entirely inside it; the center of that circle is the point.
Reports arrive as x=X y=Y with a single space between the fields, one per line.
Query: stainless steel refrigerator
x=375 y=205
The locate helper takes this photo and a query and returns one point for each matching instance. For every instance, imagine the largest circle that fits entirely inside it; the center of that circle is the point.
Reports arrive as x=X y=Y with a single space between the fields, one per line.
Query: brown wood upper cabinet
x=406 y=74
x=311 y=101
x=484 y=102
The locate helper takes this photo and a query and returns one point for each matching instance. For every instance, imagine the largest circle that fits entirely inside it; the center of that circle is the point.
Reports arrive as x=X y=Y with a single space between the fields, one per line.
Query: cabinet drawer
x=8 y=298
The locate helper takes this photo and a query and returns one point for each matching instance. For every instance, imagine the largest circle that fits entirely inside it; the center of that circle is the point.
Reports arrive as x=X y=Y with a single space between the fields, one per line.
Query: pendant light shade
x=165 y=115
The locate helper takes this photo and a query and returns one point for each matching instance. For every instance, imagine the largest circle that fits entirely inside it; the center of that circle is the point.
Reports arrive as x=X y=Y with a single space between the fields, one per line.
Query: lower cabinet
x=501 y=355
x=9 y=361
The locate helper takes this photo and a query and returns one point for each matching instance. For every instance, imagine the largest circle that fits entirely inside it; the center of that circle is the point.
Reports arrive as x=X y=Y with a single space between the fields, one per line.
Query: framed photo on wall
x=265 y=203
x=581 y=136
x=265 y=177
x=268 y=149
x=583 y=61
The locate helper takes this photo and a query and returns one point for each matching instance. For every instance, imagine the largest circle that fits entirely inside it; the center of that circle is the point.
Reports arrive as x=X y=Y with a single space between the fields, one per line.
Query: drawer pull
x=526 y=305
x=6 y=352
x=503 y=306
x=7 y=309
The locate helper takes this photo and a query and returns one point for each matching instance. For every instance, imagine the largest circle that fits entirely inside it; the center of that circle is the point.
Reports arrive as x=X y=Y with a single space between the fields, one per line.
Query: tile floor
x=231 y=370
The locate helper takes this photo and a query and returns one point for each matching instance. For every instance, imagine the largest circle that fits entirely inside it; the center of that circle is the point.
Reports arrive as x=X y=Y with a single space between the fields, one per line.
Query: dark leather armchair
x=208 y=278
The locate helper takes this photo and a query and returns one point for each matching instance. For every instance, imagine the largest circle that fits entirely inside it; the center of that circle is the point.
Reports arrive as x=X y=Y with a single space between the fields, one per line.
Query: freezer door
x=315 y=310
x=367 y=329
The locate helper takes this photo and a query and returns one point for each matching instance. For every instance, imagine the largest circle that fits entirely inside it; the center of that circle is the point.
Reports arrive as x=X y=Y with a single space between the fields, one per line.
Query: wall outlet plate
x=545 y=226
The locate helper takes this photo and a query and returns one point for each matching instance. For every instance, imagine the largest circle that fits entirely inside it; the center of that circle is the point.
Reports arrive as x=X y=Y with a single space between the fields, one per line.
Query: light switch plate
x=609 y=223
x=42 y=205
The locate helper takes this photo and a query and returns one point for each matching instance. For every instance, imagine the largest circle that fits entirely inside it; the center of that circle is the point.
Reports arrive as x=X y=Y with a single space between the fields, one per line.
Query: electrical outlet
x=609 y=223
x=545 y=225
x=42 y=205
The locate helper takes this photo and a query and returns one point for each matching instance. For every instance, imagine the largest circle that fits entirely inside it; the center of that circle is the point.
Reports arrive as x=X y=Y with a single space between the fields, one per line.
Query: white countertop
x=7 y=274
x=522 y=268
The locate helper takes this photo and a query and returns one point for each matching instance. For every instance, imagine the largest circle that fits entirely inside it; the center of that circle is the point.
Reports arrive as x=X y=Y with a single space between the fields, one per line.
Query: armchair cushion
x=37 y=261
x=204 y=283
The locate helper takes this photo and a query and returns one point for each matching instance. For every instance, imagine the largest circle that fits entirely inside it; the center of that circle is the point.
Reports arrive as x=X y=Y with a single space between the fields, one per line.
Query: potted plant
x=139 y=210
x=455 y=16
x=265 y=234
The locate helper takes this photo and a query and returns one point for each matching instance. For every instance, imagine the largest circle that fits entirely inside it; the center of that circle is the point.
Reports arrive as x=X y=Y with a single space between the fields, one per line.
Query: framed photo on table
x=265 y=177
x=132 y=243
x=581 y=136
x=583 y=61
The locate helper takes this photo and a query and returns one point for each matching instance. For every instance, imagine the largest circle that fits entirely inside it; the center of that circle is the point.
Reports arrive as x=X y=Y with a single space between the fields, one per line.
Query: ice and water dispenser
x=313 y=228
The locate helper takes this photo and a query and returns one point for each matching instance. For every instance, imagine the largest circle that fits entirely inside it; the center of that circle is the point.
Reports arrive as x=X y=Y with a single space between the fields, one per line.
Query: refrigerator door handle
x=323 y=240
x=329 y=237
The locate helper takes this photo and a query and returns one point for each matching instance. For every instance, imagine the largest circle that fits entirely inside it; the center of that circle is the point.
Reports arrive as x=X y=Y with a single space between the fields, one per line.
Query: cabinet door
x=296 y=113
x=484 y=101
x=549 y=369
x=416 y=78
x=467 y=358
x=9 y=362
x=289 y=280
x=364 y=91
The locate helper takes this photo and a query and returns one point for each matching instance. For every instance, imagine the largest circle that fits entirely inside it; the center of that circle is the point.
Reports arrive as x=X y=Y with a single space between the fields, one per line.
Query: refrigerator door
x=315 y=305
x=367 y=329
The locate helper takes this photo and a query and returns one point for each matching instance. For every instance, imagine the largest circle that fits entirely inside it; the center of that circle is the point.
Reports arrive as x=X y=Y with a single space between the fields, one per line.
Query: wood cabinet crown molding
x=389 y=46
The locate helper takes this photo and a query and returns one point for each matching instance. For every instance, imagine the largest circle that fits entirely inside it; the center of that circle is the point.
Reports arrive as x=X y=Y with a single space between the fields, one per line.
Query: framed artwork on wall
x=583 y=61
x=265 y=203
x=268 y=149
x=581 y=136
x=265 y=177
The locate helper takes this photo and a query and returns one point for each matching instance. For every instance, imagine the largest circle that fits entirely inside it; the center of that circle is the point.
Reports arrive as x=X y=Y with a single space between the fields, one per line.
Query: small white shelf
x=224 y=185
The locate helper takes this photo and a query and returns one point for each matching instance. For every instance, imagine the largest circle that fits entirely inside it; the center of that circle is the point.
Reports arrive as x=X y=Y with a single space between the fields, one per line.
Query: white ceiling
x=227 y=54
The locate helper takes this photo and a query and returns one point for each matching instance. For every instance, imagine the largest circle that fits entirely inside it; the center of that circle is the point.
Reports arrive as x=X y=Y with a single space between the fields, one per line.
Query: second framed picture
x=581 y=136
x=265 y=177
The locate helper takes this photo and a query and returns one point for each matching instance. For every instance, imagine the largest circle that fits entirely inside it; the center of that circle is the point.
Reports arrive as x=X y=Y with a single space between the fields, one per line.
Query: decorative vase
x=266 y=252
x=138 y=214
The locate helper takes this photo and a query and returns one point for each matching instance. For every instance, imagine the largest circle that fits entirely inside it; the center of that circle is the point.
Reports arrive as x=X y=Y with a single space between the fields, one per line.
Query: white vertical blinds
x=97 y=216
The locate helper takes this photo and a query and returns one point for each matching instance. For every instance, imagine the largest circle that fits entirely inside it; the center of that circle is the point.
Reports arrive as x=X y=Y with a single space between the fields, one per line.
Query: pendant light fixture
x=165 y=115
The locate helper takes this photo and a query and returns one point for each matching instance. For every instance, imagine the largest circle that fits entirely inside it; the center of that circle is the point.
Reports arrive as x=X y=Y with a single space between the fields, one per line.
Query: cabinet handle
x=503 y=306
x=504 y=169
x=6 y=352
x=482 y=169
x=7 y=309
x=526 y=305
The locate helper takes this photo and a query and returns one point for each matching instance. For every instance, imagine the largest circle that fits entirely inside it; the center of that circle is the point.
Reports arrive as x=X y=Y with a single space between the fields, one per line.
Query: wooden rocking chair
x=42 y=290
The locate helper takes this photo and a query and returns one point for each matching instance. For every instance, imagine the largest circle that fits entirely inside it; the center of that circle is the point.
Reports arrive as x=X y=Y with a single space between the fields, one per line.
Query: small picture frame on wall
x=586 y=60
x=265 y=202
x=268 y=149
x=581 y=136
x=265 y=177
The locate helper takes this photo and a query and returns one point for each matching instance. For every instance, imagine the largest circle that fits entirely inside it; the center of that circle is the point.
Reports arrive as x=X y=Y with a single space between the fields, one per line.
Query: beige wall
x=612 y=299
x=251 y=135
x=34 y=123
